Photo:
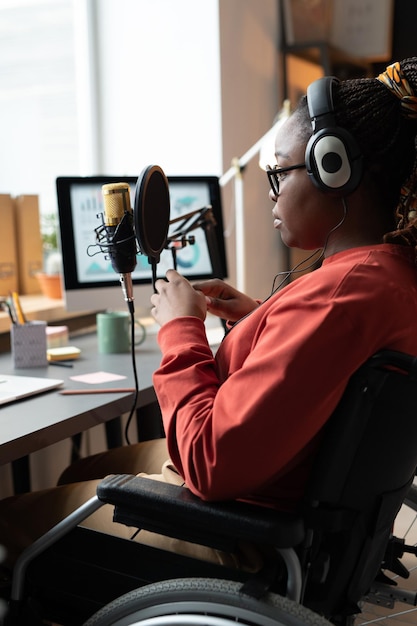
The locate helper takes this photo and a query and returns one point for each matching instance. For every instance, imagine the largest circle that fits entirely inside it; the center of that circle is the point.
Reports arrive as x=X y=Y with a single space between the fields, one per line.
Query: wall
x=159 y=86
x=250 y=102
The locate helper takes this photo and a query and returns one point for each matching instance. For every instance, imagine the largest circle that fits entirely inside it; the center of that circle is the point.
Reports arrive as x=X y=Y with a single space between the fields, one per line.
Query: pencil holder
x=28 y=343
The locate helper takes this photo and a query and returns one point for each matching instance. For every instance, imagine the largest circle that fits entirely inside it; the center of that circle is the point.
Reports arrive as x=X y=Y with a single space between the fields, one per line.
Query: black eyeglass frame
x=274 y=172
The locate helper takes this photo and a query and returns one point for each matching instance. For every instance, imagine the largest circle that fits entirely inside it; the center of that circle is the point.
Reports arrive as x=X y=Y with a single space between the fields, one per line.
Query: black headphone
x=333 y=158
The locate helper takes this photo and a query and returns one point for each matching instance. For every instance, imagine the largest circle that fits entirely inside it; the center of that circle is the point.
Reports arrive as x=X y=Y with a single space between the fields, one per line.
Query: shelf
x=332 y=60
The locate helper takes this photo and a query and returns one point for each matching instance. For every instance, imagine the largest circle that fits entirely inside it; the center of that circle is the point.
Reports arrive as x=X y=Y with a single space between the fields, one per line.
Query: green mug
x=114 y=332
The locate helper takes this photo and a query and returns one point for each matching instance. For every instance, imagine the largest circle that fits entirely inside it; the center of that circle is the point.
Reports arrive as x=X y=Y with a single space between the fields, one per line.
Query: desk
x=34 y=423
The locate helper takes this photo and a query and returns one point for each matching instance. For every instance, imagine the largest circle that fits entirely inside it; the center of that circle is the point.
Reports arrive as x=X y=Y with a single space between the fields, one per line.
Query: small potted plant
x=50 y=279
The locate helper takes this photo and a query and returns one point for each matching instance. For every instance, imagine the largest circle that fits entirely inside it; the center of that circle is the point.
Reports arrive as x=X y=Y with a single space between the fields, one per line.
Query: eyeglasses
x=274 y=175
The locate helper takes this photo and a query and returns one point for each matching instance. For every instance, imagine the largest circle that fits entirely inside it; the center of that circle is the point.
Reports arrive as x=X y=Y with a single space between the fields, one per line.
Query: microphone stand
x=235 y=172
x=203 y=218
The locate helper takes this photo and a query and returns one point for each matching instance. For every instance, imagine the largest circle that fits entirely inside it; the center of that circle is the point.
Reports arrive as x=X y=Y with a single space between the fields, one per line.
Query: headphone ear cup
x=334 y=161
x=333 y=158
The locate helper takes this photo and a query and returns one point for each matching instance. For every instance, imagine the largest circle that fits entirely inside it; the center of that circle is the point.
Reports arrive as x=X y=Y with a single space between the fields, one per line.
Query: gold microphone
x=120 y=234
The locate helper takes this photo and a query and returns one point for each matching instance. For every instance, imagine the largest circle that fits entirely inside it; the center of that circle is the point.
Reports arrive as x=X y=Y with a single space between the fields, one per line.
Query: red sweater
x=245 y=424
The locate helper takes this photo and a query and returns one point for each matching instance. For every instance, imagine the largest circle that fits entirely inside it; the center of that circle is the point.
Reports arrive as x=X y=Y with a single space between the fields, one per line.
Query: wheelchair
x=324 y=560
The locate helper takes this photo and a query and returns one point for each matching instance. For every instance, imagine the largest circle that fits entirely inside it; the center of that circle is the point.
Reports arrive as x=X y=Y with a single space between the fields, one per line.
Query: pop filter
x=152 y=212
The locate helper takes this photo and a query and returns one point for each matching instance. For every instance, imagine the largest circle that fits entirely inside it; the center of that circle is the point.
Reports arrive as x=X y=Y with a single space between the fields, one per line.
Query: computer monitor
x=90 y=283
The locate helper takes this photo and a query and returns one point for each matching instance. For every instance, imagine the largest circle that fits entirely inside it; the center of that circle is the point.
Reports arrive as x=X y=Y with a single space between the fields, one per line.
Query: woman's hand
x=176 y=297
x=225 y=301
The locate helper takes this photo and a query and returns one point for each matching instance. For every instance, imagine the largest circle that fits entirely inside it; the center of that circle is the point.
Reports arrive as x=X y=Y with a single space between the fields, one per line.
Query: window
x=38 y=109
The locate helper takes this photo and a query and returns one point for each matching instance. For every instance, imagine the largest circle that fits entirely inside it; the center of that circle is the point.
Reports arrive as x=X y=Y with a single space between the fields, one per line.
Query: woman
x=246 y=423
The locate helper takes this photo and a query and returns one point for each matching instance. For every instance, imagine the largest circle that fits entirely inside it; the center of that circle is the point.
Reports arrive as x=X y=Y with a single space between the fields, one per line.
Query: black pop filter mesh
x=152 y=211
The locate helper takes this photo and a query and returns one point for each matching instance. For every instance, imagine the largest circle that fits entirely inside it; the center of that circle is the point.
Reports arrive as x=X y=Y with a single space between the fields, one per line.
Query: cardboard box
x=29 y=243
x=8 y=255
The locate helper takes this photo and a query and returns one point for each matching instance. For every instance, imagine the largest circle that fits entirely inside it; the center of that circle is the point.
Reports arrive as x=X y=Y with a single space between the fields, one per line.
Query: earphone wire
x=299 y=267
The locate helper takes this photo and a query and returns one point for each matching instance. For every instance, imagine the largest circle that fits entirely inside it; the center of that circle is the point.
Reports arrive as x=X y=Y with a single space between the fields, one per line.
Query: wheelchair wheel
x=201 y=602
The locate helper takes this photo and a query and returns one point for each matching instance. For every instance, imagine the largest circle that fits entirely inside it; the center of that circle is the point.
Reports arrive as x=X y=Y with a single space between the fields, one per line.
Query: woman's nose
x=272 y=196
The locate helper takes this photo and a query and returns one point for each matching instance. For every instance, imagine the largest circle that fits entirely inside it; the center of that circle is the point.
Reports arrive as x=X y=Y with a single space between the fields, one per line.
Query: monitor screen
x=90 y=283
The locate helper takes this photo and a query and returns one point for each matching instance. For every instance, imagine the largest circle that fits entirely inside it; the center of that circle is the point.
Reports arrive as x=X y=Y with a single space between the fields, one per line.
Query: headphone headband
x=333 y=158
x=320 y=102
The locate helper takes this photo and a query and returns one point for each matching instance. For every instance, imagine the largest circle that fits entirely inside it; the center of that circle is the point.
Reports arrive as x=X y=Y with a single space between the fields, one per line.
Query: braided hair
x=381 y=114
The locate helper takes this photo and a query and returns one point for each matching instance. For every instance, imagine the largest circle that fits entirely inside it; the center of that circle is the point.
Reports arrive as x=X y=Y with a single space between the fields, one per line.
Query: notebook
x=17 y=387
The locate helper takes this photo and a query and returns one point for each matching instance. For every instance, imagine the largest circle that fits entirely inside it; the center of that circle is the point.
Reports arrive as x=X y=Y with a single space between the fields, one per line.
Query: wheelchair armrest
x=176 y=512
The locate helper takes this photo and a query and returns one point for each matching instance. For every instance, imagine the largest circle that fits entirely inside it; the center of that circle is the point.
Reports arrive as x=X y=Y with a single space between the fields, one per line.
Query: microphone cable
x=135 y=373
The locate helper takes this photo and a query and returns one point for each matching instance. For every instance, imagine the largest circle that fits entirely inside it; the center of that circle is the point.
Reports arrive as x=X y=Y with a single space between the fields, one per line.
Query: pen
x=61 y=363
x=18 y=308
x=5 y=305
x=74 y=392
